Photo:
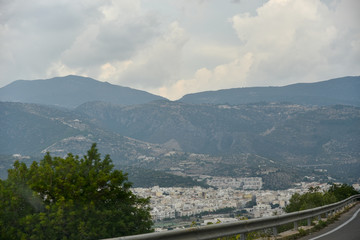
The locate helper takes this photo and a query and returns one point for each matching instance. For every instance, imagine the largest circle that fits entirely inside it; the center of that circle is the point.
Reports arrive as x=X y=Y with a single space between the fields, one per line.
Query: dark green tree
x=70 y=198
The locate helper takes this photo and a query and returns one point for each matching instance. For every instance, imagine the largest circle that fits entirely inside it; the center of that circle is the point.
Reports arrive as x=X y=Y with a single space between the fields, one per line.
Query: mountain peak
x=71 y=91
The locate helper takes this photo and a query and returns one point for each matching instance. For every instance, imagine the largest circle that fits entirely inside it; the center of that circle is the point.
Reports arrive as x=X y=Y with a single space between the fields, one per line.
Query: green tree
x=70 y=198
x=314 y=198
x=299 y=202
x=342 y=191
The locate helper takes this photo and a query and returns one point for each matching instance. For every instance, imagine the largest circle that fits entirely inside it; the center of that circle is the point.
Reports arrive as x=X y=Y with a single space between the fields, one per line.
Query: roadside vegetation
x=316 y=198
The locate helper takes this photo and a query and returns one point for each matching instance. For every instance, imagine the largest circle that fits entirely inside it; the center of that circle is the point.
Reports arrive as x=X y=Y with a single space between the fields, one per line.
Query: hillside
x=280 y=141
x=33 y=130
x=289 y=140
x=291 y=133
x=345 y=91
x=71 y=91
x=30 y=129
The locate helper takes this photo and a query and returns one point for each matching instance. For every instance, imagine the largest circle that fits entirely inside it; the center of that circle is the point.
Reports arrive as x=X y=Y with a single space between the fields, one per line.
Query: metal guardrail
x=242 y=227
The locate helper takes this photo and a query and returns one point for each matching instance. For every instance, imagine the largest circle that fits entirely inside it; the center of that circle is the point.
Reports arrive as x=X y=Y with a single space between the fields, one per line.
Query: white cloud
x=39 y=35
x=155 y=64
x=230 y=75
x=286 y=41
x=117 y=35
x=294 y=41
x=34 y=34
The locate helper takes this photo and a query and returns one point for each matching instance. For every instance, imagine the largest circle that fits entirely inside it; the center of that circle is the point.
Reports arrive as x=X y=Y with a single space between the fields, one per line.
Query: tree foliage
x=70 y=198
x=315 y=198
x=342 y=191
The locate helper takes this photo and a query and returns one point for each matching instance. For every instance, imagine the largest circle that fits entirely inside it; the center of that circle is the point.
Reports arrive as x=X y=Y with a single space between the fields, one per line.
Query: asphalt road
x=346 y=228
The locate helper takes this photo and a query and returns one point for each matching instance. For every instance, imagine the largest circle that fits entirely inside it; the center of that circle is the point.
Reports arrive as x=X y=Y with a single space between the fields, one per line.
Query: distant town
x=242 y=196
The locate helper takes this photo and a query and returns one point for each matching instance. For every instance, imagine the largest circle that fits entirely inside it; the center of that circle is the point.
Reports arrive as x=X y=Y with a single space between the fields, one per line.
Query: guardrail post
x=308 y=221
x=275 y=232
x=295 y=225
x=242 y=236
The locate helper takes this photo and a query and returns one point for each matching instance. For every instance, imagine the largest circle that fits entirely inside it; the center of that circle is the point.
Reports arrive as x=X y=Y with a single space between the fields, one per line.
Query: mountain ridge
x=72 y=91
x=345 y=91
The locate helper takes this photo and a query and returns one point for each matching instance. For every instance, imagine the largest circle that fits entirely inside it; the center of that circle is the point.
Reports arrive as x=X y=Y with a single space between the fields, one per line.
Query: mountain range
x=72 y=91
x=280 y=140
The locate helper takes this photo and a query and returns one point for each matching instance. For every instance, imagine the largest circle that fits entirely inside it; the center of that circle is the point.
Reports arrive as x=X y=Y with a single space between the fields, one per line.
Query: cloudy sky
x=172 y=48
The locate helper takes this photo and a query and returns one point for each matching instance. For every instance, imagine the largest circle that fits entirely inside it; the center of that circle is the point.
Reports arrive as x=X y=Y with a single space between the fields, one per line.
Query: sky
x=175 y=47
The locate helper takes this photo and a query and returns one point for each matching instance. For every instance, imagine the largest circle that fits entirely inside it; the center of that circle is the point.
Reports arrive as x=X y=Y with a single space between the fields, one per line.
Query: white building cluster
x=178 y=202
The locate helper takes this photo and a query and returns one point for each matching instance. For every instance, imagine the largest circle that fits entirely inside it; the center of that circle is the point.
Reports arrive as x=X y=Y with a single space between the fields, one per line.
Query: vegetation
x=226 y=210
x=141 y=177
x=342 y=191
x=70 y=198
x=315 y=198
